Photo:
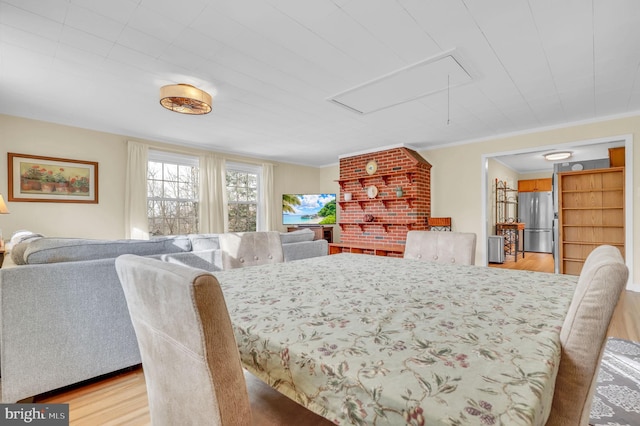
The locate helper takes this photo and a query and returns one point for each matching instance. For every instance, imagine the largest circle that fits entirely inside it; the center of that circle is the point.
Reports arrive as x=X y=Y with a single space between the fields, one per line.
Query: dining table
x=371 y=340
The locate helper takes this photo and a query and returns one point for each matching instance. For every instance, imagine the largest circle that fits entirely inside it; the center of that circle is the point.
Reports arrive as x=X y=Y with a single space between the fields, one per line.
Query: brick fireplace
x=376 y=213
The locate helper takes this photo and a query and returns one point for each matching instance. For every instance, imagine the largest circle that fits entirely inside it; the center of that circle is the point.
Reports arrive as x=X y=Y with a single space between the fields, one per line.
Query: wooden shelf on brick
x=385 y=201
x=370 y=179
x=394 y=216
x=385 y=225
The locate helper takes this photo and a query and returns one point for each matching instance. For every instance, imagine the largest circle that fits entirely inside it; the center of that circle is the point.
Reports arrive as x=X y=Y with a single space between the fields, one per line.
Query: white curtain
x=213 y=195
x=268 y=198
x=135 y=202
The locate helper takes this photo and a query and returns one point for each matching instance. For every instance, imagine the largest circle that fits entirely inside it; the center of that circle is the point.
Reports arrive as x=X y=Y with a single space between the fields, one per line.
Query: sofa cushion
x=299 y=236
x=52 y=250
x=201 y=242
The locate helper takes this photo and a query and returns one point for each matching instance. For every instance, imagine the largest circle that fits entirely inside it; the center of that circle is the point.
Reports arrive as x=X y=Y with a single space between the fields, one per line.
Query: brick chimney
x=392 y=215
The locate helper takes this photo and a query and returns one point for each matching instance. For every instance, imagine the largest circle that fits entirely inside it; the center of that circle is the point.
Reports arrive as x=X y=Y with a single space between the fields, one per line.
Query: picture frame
x=36 y=178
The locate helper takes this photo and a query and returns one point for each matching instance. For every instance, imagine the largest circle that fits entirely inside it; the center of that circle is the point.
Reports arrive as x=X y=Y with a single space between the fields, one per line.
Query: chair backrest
x=240 y=249
x=441 y=246
x=583 y=335
x=189 y=354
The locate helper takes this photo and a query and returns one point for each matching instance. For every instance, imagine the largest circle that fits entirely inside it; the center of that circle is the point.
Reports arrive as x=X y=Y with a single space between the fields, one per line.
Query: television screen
x=308 y=209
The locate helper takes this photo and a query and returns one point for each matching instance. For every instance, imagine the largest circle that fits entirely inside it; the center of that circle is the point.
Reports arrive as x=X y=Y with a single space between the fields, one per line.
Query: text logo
x=34 y=414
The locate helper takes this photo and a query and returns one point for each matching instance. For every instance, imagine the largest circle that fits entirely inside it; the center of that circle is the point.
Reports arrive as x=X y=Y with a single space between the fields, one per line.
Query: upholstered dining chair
x=441 y=246
x=240 y=249
x=583 y=335
x=189 y=354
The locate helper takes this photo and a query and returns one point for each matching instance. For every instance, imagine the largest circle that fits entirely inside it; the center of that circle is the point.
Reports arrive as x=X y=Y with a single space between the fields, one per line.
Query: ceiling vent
x=421 y=79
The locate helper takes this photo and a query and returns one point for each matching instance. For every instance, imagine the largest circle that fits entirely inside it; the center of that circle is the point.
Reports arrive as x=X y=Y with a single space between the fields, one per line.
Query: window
x=243 y=197
x=172 y=194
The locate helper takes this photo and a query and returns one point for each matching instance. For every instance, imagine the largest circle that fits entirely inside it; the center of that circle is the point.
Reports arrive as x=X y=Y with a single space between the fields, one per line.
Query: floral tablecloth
x=373 y=340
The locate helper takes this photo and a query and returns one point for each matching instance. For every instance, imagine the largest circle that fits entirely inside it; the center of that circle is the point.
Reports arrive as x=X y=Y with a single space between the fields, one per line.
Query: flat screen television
x=308 y=209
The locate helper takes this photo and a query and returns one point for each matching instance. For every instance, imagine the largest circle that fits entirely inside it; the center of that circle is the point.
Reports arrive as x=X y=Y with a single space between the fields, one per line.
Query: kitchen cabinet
x=534 y=185
x=616 y=157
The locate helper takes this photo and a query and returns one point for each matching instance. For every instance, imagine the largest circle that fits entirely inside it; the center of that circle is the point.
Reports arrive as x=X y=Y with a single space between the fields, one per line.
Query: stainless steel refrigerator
x=535 y=210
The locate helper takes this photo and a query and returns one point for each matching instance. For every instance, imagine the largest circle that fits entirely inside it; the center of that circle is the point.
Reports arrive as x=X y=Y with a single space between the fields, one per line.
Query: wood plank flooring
x=539 y=262
x=122 y=399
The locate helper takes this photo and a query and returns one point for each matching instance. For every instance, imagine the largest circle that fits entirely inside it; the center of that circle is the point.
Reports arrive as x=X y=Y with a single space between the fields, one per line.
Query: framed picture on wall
x=51 y=180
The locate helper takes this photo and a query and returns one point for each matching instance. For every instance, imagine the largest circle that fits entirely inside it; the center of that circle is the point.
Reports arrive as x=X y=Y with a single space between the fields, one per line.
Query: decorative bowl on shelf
x=368 y=218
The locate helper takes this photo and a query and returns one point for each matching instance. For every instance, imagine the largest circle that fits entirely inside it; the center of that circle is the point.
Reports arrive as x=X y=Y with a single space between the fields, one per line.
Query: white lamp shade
x=3 y=206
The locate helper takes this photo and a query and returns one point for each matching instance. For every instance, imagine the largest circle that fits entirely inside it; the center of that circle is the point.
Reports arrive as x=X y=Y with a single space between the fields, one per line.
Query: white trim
x=257 y=170
x=628 y=143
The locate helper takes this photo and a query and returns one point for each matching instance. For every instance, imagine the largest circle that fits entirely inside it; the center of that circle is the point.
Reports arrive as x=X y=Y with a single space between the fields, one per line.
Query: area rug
x=617 y=396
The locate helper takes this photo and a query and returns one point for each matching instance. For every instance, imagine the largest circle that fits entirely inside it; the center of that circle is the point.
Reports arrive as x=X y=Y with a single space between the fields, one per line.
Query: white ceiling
x=272 y=65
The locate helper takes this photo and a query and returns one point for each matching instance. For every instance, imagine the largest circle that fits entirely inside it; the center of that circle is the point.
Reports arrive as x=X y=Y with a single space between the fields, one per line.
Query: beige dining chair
x=441 y=246
x=189 y=354
x=583 y=335
x=241 y=249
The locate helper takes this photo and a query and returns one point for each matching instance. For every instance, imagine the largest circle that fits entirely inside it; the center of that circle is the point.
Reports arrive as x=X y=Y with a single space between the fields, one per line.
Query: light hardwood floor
x=539 y=262
x=122 y=399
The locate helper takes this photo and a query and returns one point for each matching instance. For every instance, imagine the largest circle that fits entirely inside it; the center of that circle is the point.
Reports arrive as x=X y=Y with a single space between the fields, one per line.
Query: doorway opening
x=510 y=164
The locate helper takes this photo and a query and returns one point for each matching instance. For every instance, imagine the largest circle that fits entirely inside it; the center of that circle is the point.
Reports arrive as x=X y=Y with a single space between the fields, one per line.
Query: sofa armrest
x=60 y=324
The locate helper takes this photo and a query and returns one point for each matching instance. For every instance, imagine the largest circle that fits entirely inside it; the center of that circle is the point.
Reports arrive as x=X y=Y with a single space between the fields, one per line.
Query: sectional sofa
x=63 y=315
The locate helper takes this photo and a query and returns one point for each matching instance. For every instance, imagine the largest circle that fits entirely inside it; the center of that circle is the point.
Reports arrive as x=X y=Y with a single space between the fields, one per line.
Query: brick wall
x=393 y=216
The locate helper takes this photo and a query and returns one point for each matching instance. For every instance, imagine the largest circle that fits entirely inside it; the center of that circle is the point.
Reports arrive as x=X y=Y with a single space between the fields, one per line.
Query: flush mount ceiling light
x=555 y=156
x=185 y=99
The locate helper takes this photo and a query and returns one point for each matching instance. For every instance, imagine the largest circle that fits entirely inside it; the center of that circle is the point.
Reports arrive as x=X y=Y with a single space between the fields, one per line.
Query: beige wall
x=105 y=219
x=457 y=187
x=457 y=184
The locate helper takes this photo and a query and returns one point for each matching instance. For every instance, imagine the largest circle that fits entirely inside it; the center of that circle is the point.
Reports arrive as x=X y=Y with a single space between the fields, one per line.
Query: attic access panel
x=407 y=84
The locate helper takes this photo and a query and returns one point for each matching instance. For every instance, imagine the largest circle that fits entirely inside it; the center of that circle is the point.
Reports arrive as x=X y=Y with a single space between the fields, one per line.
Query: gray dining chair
x=441 y=246
x=583 y=335
x=189 y=353
x=241 y=249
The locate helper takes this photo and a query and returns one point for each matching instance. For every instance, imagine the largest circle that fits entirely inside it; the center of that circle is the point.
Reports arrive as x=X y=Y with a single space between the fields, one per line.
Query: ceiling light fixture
x=185 y=99
x=555 y=156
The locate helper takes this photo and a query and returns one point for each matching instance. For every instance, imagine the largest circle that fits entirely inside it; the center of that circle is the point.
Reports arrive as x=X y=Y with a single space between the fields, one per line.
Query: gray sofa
x=63 y=315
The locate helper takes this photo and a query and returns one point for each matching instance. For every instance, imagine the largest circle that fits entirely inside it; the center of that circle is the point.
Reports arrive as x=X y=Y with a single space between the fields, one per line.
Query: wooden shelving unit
x=384 y=177
x=396 y=250
x=362 y=203
x=591 y=213
x=506 y=202
x=384 y=201
x=506 y=214
x=385 y=225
